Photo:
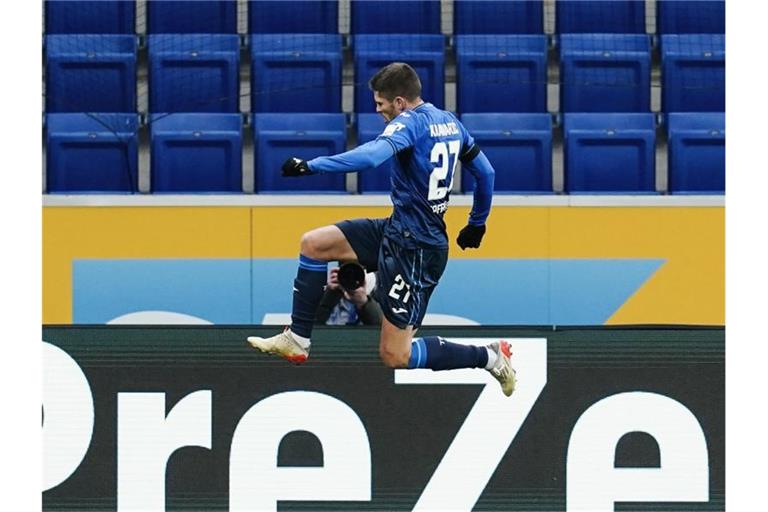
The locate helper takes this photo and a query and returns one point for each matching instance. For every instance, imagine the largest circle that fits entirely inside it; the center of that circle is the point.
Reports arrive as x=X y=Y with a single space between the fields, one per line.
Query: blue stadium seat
x=600 y=16
x=395 y=16
x=498 y=73
x=278 y=137
x=296 y=72
x=610 y=153
x=690 y=17
x=377 y=181
x=519 y=146
x=92 y=152
x=696 y=153
x=275 y=17
x=196 y=152
x=693 y=72
x=192 y=17
x=194 y=73
x=605 y=73
x=498 y=17
x=422 y=51
x=90 y=17
x=90 y=73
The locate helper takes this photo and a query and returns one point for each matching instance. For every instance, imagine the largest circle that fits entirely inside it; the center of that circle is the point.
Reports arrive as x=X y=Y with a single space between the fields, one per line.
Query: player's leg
x=349 y=240
x=328 y=243
x=317 y=248
x=341 y=242
x=395 y=344
x=407 y=279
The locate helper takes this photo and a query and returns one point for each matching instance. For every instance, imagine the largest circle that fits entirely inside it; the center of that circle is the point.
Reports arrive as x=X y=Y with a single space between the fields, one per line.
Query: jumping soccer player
x=410 y=248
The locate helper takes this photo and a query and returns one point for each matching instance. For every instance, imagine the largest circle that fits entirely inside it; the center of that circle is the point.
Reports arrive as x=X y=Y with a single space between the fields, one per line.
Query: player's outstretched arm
x=472 y=234
x=366 y=156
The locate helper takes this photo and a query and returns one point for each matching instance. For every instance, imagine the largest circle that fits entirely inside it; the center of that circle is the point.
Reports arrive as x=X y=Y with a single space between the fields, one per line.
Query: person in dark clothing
x=340 y=306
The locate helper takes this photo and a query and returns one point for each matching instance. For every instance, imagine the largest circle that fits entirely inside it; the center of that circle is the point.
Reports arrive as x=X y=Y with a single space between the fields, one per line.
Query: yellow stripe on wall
x=688 y=288
x=146 y=232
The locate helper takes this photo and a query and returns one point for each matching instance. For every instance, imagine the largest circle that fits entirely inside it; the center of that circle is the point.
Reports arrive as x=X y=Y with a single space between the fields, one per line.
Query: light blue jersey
x=427 y=144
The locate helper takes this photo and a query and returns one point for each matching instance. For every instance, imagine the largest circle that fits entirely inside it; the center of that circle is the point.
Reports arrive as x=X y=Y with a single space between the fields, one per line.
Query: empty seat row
x=375 y=16
x=603 y=153
x=303 y=72
x=614 y=153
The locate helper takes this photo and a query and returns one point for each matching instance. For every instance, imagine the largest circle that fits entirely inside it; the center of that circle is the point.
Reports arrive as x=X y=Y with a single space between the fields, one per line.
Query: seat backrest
x=395 y=16
x=90 y=17
x=519 y=146
x=600 y=16
x=693 y=72
x=501 y=73
x=690 y=16
x=278 y=137
x=194 y=73
x=192 y=17
x=271 y=17
x=610 y=153
x=198 y=152
x=91 y=152
x=90 y=73
x=696 y=152
x=296 y=72
x=605 y=73
x=498 y=17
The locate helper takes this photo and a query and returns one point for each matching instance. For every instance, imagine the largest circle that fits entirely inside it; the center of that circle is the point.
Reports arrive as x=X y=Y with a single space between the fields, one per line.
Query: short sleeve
x=400 y=132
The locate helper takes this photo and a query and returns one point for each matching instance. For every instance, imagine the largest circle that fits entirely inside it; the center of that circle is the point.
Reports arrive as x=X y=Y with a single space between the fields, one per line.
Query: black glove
x=296 y=167
x=470 y=236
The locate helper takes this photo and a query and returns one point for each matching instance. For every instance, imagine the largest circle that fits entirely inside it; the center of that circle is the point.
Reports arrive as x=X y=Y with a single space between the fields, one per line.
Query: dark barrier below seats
x=595 y=413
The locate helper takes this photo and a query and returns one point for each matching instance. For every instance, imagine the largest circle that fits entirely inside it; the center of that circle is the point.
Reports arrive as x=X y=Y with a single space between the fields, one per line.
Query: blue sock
x=307 y=292
x=438 y=354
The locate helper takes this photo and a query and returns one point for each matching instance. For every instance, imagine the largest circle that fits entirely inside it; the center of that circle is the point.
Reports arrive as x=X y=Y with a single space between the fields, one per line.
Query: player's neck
x=410 y=106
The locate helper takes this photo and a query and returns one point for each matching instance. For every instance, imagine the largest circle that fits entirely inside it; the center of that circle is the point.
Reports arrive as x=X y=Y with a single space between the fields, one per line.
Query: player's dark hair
x=396 y=79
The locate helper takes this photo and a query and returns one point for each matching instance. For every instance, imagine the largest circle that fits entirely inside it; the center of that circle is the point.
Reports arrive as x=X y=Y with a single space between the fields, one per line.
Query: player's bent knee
x=394 y=358
x=311 y=244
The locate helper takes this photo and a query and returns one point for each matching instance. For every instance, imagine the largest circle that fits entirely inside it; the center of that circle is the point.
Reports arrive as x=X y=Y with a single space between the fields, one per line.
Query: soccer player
x=410 y=248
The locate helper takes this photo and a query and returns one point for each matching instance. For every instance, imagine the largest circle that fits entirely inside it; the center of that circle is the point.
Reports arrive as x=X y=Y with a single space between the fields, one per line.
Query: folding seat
x=501 y=73
x=395 y=16
x=693 y=72
x=196 y=152
x=696 y=153
x=519 y=146
x=90 y=17
x=370 y=126
x=91 y=152
x=194 y=73
x=192 y=17
x=498 y=17
x=90 y=73
x=296 y=72
x=610 y=153
x=278 y=137
x=600 y=16
x=422 y=51
x=690 y=17
x=605 y=73
x=274 y=17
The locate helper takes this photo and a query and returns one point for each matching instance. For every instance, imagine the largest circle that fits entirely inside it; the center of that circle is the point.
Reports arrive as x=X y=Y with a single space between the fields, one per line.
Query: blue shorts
x=405 y=277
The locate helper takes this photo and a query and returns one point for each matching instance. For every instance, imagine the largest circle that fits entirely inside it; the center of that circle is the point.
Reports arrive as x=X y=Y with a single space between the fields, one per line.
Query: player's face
x=388 y=109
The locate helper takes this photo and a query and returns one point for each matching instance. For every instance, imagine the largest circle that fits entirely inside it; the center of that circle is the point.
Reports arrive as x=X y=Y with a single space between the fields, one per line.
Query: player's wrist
x=294 y=167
